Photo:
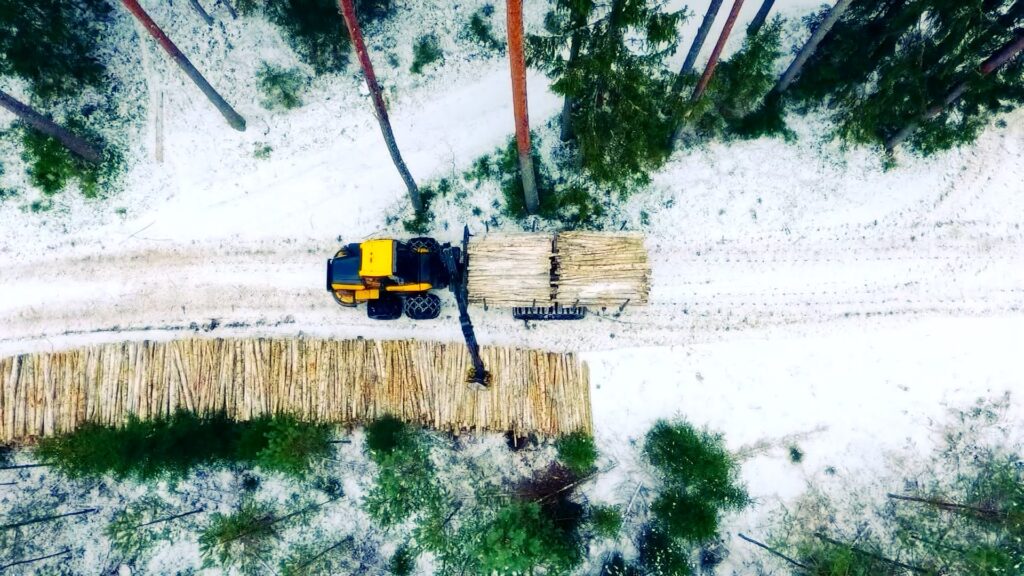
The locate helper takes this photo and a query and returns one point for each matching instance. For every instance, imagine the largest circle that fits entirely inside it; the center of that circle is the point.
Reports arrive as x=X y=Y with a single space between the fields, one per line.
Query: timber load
x=568 y=269
x=331 y=381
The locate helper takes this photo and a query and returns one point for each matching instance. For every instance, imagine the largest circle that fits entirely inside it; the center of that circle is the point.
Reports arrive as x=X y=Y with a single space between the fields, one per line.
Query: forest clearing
x=797 y=227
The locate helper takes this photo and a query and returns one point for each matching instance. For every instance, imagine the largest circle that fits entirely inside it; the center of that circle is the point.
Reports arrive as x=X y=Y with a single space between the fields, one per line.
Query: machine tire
x=424 y=244
x=384 y=309
x=423 y=306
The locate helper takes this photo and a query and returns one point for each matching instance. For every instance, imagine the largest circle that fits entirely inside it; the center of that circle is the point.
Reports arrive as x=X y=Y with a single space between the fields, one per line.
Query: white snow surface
x=802 y=295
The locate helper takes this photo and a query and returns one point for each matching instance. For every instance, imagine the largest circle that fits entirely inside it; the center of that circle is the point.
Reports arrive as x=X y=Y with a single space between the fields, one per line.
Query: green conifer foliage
x=522 y=538
x=738 y=86
x=52 y=44
x=315 y=28
x=616 y=80
x=700 y=480
x=886 y=62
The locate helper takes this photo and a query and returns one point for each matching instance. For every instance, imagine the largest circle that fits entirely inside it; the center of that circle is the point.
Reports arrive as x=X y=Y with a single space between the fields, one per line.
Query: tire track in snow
x=699 y=289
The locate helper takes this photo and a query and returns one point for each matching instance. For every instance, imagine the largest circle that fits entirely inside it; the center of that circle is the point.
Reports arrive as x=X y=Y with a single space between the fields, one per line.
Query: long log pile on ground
x=347 y=381
x=601 y=269
x=572 y=268
x=510 y=269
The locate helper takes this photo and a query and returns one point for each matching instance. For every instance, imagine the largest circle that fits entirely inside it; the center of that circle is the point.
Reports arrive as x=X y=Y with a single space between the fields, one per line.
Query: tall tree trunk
x=773 y=551
x=990 y=513
x=810 y=46
x=34 y=560
x=170 y=518
x=75 y=144
x=517 y=63
x=760 y=17
x=234 y=118
x=202 y=12
x=230 y=8
x=348 y=11
x=709 y=70
x=869 y=554
x=1008 y=52
x=698 y=43
x=567 y=104
x=42 y=519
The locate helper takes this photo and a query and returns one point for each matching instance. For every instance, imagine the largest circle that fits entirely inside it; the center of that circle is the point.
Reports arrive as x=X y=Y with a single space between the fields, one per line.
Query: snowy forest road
x=699 y=289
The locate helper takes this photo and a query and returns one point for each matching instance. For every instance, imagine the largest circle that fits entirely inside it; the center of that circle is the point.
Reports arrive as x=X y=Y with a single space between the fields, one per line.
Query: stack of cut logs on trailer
x=572 y=268
x=338 y=381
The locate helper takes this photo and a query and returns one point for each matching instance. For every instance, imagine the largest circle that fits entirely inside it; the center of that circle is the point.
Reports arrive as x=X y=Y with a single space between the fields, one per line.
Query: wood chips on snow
x=338 y=381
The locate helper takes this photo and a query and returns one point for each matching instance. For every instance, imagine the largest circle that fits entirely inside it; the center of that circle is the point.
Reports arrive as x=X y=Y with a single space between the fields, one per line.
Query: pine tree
x=809 y=47
x=234 y=119
x=709 y=70
x=617 y=83
x=517 y=65
x=577 y=21
x=887 y=64
x=1005 y=55
x=698 y=43
x=348 y=11
x=760 y=17
x=51 y=45
x=37 y=121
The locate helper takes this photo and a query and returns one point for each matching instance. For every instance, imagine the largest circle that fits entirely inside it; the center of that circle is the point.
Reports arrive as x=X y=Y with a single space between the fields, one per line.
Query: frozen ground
x=801 y=294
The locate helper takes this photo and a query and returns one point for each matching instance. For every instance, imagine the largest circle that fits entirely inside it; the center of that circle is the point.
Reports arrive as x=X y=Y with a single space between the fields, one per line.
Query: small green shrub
x=685 y=516
x=174 y=445
x=291 y=445
x=480 y=30
x=829 y=560
x=262 y=151
x=696 y=460
x=385 y=435
x=244 y=540
x=403 y=562
x=796 y=455
x=700 y=480
x=606 y=521
x=405 y=485
x=578 y=452
x=280 y=87
x=5 y=193
x=132 y=531
x=572 y=202
x=423 y=218
x=522 y=539
x=425 y=52
x=661 y=555
x=52 y=167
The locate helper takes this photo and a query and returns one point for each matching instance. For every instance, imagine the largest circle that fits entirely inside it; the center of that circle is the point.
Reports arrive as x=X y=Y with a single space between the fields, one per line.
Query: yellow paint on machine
x=347 y=287
x=378 y=258
x=421 y=287
x=364 y=295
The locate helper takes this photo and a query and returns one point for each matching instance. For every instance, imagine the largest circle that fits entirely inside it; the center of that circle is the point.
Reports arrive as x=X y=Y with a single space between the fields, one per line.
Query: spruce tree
x=887 y=64
x=51 y=45
x=616 y=82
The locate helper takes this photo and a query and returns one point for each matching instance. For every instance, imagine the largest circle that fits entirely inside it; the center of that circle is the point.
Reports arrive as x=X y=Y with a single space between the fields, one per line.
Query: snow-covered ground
x=801 y=294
